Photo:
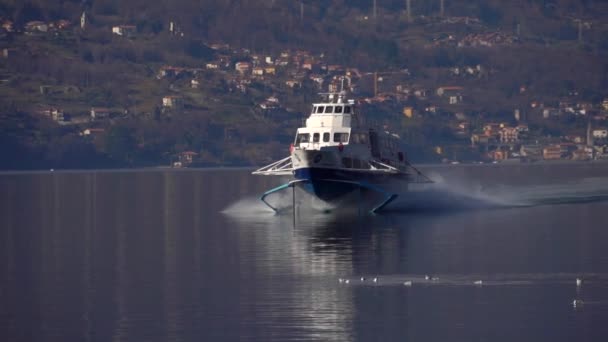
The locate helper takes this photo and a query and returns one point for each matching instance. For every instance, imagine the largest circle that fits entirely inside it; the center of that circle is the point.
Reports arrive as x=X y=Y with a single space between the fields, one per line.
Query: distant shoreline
x=520 y=163
x=253 y=167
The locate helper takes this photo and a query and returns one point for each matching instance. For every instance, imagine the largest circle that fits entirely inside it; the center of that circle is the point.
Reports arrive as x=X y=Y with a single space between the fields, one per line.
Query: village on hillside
x=274 y=87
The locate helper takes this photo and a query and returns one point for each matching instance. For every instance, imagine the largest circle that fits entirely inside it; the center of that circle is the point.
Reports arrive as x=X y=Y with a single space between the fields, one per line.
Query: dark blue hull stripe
x=331 y=184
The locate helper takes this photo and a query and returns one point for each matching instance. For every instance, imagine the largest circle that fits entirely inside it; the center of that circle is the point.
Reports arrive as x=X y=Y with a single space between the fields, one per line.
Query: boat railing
x=282 y=167
x=414 y=176
x=380 y=166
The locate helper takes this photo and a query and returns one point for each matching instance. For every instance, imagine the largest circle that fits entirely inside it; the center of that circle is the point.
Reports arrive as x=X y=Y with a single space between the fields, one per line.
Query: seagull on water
x=577 y=303
x=478 y=282
x=375 y=279
x=579 y=282
x=362 y=278
x=408 y=283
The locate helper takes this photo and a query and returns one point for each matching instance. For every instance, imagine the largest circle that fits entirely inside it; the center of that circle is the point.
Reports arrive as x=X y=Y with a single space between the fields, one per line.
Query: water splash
x=441 y=196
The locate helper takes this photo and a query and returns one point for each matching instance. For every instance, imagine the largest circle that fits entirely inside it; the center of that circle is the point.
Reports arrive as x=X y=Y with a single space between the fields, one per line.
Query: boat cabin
x=329 y=124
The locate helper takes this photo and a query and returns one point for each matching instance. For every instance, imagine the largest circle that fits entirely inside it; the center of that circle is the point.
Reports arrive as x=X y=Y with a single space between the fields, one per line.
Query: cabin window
x=326 y=137
x=320 y=109
x=302 y=138
x=347 y=109
x=363 y=138
x=315 y=138
x=359 y=138
x=341 y=137
x=339 y=109
x=329 y=109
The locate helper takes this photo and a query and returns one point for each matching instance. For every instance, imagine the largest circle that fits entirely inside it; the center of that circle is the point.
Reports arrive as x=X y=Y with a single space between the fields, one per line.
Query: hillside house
x=282 y=62
x=8 y=26
x=600 y=133
x=98 y=113
x=482 y=139
x=219 y=46
x=487 y=39
x=62 y=24
x=585 y=153
x=58 y=115
x=575 y=139
x=318 y=80
x=408 y=112
x=309 y=65
x=257 y=71
x=92 y=132
x=36 y=26
x=549 y=112
x=531 y=151
x=170 y=71
x=420 y=93
x=124 y=30
x=293 y=84
x=173 y=102
x=243 y=67
x=492 y=128
x=509 y=135
x=452 y=93
x=335 y=68
x=498 y=155
x=552 y=152
x=333 y=87
x=187 y=157
x=270 y=70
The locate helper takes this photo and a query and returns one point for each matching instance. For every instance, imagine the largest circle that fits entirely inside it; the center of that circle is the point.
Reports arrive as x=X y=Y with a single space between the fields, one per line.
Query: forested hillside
x=64 y=57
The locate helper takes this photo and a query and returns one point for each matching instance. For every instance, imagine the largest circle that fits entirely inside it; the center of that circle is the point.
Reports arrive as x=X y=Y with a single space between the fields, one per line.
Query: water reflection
x=133 y=256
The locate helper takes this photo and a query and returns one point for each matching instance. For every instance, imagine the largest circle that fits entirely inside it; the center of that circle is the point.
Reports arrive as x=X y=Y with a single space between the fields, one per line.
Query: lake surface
x=192 y=255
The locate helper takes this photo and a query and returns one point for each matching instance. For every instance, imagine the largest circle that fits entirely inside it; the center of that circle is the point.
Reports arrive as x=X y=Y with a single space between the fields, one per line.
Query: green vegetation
x=539 y=51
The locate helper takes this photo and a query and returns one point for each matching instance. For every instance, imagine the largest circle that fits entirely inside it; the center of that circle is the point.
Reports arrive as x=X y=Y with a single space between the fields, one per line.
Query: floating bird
x=577 y=303
x=427 y=277
x=347 y=281
x=362 y=278
x=434 y=278
x=579 y=282
x=340 y=280
x=478 y=282
x=408 y=283
x=375 y=279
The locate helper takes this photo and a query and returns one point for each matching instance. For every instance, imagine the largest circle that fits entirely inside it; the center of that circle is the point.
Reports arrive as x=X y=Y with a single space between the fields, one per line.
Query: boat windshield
x=302 y=138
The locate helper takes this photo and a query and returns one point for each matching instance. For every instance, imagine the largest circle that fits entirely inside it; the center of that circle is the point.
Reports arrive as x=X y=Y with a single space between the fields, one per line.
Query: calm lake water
x=191 y=255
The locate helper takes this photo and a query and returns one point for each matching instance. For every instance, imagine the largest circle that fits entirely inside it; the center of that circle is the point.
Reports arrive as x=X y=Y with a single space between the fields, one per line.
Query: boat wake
x=453 y=196
x=441 y=196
